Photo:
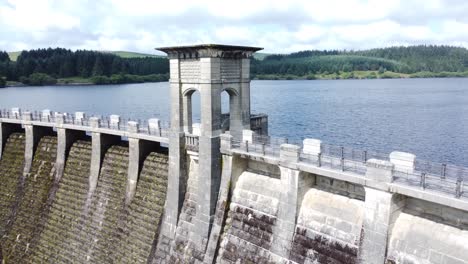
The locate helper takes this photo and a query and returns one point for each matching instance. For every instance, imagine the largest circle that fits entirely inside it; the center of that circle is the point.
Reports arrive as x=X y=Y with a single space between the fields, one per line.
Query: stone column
x=33 y=136
x=187 y=115
x=138 y=150
x=177 y=156
x=283 y=231
x=245 y=92
x=381 y=210
x=6 y=129
x=100 y=144
x=209 y=147
x=236 y=122
x=65 y=140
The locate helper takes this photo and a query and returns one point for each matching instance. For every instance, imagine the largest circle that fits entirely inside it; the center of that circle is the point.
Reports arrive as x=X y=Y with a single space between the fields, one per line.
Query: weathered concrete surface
x=415 y=239
x=253 y=212
x=328 y=229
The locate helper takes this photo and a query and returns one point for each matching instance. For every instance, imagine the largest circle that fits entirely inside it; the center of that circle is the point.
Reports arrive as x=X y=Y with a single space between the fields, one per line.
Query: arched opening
x=192 y=117
x=231 y=117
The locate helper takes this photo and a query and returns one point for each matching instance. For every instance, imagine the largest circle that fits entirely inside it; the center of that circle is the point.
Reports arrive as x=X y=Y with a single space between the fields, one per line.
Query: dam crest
x=89 y=189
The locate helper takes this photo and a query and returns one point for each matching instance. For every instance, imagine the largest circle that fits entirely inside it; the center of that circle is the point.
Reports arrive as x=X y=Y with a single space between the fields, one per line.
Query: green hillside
x=412 y=61
x=130 y=54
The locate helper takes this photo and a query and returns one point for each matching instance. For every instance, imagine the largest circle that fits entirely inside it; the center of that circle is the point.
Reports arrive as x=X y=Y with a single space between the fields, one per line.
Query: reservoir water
x=427 y=117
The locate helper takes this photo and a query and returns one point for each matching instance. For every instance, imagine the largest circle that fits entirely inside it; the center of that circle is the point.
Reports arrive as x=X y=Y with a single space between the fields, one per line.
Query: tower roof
x=209 y=50
x=219 y=47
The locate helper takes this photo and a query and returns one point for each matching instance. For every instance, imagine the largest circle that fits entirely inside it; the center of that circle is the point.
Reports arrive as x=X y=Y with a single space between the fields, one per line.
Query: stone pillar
x=236 y=122
x=33 y=135
x=283 y=231
x=80 y=117
x=6 y=129
x=381 y=210
x=245 y=92
x=100 y=144
x=138 y=150
x=187 y=113
x=177 y=156
x=209 y=147
x=65 y=140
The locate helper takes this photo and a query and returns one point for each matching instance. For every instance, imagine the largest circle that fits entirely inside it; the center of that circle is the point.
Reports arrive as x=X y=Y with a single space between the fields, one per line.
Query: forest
x=34 y=65
x=45 y=66
x=412 y=61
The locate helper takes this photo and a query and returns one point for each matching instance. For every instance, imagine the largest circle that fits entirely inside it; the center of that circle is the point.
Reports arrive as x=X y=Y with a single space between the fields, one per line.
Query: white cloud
x=279 y=26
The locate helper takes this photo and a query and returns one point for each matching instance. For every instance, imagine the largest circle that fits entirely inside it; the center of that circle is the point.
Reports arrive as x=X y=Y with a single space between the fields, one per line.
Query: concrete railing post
x=196 y=129
x=313 y=148
x=46 y=114
x=114 y=122
x=381 y=210
x=59 y=119
x=16 y=113
x=247 y=135
x=226 y=142
x=289 y=153
x=154 y=126
x=95 y=122
x=79 y=118
x=403 y=161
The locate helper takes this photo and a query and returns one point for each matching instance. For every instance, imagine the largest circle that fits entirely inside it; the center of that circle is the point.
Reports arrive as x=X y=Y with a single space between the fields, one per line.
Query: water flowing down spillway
x=58 y=222
x=60 y=239
x=11 y=169
x=32 y=208
x=144 y=213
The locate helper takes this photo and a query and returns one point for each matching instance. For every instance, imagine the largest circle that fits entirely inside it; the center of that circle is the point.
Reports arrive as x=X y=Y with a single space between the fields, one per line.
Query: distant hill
x=261 y=56
x=407 y=60
x=130 y=54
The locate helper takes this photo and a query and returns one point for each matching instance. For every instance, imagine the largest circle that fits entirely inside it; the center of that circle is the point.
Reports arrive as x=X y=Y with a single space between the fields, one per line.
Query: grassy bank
x=39 y=79
x=359 y=75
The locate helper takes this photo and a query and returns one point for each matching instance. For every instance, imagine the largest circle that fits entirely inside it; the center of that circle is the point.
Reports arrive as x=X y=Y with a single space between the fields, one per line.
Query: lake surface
x=427 y=117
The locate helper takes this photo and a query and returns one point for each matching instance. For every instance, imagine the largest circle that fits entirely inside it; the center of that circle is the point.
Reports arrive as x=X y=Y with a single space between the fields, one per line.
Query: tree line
x=413 y=59
x=35 y=66
x=64 y=63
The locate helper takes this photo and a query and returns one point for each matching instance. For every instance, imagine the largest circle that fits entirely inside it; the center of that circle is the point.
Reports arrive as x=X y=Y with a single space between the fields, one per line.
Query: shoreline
x=279 y=78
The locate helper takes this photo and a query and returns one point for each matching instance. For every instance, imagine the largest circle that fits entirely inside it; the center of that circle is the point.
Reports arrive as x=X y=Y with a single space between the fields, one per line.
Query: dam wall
x=79 y=189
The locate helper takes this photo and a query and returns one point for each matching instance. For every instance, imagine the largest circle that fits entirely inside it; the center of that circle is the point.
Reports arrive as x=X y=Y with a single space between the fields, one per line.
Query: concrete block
x=312 y=146
x=379 y=170
x=16 y=112
x=79 y=118
x=154 y=126
x=247 y=135
x=132 y=127
x=94 y=122
x=46 y=114
x=403 y=161
x=289 y=152
x=115 y=121
x=196 y=129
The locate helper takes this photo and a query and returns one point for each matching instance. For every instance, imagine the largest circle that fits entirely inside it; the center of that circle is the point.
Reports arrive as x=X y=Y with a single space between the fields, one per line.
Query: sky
x=278 y=26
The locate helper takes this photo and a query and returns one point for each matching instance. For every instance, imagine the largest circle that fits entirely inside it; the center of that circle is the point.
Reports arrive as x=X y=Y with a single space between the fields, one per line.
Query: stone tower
x=210 y=70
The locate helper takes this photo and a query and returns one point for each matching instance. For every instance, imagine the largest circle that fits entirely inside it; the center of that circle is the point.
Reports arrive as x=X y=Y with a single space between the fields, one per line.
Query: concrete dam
x=80 y=189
